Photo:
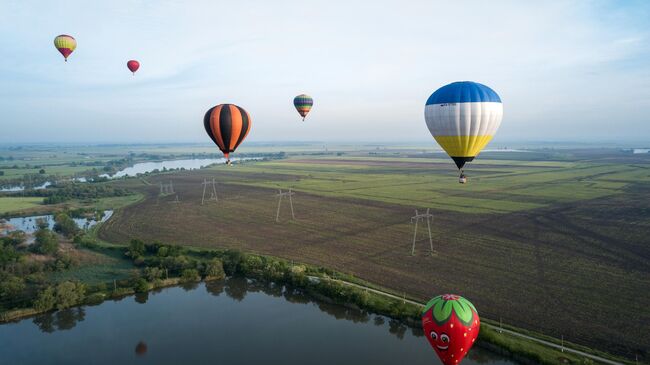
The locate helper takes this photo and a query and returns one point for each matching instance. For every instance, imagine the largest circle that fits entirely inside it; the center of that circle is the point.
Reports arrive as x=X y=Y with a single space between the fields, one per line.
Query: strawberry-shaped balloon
x=451 y=325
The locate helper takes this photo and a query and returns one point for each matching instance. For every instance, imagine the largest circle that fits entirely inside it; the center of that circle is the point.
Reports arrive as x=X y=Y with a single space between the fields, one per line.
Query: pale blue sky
x=565 y=70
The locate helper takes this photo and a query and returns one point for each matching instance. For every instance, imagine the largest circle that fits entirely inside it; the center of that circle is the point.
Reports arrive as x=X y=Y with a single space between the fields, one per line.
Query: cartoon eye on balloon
x=452 y=323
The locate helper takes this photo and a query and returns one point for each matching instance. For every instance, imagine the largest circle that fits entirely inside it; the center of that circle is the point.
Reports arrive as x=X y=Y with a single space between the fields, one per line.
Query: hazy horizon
x=566 y=71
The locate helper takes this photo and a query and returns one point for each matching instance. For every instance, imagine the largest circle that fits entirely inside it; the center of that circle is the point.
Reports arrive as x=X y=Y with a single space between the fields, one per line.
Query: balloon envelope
x=133 y=66
x=303 y=104
x=463 y=117
x=227 y=125
x=451 y=325
x=65 y=44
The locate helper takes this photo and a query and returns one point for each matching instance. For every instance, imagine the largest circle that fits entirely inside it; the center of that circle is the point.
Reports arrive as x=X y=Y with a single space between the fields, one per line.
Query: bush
x=11 y=289
x=69 y=294
x=46 y=300
x=190 y=275
x=95 y=298
x=14 y=238
x=140 y=285
x=153 y=273
x=46 y=242
x=136 y=248
x=214 y=269
x=82 y=240
x=65 y=225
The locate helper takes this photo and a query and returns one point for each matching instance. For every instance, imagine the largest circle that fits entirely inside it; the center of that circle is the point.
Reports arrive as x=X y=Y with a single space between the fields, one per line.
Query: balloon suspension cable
x=303 y=119
x=65 y=59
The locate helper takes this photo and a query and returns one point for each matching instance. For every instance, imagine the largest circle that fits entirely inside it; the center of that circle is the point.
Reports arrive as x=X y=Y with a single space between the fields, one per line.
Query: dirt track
x=543 y=270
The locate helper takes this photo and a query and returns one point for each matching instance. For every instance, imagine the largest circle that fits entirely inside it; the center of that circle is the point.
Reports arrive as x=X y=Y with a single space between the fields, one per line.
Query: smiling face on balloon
x=451 y=325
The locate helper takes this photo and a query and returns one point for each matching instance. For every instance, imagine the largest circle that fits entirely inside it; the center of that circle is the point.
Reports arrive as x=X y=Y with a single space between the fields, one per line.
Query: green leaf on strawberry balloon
x=442 y=307
x=442 y=311
x=463 y=309
x=431 y=303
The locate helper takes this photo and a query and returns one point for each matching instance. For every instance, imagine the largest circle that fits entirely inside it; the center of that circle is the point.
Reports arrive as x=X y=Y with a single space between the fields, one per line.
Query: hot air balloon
x=65 y=44
x=463 y=117
x=451 y=325
x=133 y=66
x=227 y=125
x=303 y=104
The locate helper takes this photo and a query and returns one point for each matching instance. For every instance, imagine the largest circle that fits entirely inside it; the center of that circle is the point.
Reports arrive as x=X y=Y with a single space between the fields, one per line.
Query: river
x=236 y=321
x=188 y=164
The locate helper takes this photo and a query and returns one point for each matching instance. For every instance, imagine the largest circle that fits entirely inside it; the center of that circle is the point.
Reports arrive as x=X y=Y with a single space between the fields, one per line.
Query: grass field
x=10 y=204
x=97 y=266
x=559 y=247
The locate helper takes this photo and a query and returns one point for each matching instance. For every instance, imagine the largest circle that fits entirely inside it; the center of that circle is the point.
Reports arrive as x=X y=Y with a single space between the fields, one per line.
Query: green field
x=11 y=204
x=496 y=186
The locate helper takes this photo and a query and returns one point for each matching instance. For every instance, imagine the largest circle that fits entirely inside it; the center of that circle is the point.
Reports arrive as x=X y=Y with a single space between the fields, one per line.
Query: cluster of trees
x=61 y=296
x=21 y=278
x=68 y=191
x=158 y=259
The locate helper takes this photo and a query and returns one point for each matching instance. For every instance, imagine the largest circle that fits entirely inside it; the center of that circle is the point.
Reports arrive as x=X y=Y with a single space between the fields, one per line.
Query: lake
x=188 y=164
x=236 y=321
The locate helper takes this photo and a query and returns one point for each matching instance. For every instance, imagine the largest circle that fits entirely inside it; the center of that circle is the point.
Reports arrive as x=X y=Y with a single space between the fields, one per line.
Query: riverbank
x=317 y=282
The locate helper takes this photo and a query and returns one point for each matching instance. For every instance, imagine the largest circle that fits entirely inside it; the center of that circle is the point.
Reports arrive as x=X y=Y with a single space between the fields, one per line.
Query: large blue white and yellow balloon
x=463 y=117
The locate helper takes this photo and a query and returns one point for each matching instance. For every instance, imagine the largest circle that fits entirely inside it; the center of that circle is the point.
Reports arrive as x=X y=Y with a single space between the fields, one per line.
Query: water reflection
x=61 y=320
x=141 y=348
x=215 y=287
x=141 y=297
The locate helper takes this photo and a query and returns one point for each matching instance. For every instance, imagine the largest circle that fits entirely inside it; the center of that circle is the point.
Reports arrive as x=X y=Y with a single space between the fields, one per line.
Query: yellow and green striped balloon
x=65 y=44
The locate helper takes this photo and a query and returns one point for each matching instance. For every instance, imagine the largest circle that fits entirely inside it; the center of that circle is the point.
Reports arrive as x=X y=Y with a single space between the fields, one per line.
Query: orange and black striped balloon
x=227 y=125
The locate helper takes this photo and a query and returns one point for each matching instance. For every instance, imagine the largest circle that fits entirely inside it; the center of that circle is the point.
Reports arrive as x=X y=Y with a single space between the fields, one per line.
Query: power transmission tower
x=280 y=195
x=166 y=189
x=428 y=217
x=213 y=190
x=176 y=200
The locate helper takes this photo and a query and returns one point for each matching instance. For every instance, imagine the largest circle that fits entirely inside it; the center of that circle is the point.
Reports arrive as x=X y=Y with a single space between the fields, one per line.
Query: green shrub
x=213 y=269
x=95 y=298
x=190 y=275
x=140 y=285
x=46 y=300
x=69 y=294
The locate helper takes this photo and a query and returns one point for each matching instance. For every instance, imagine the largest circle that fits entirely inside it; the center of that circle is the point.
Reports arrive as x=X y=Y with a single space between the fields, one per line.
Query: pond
x=22 y=188
x=29 y=226
x=189 y=164
x=236 y=321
